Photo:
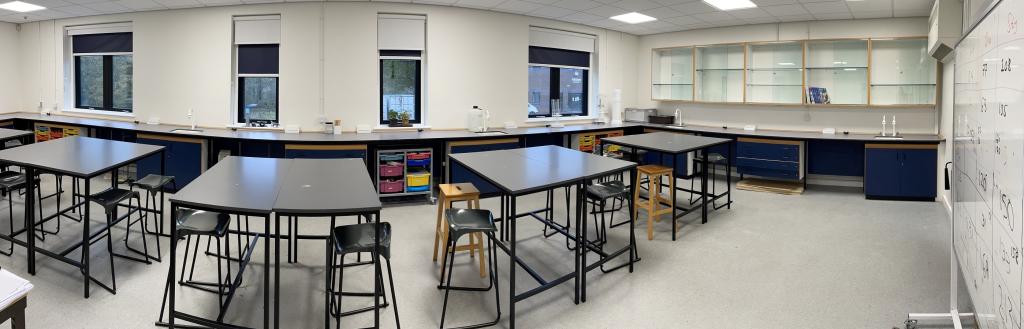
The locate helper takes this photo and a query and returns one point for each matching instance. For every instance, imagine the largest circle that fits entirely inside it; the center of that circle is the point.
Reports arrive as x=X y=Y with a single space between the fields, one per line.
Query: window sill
x=415 y=126
x=240 y=126
x=563 y=119
x=100 y=112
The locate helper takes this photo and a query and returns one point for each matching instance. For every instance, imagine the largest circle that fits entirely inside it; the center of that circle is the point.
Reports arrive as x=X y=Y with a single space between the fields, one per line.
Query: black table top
x=328 y=187
x=237 y=184
x=532 y=169
x=78 y=156
x=666 y=142
x=7 y=134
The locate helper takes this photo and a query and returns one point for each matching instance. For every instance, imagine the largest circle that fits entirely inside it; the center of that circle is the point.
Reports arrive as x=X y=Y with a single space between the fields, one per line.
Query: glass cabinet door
x=672 y=74
x=902 y=72
x=720 y=73
x=775 y=73
x=837 y=72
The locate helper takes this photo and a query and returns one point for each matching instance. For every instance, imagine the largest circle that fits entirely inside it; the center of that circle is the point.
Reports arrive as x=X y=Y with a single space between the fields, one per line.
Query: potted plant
x=393 y=119
x=404 y=117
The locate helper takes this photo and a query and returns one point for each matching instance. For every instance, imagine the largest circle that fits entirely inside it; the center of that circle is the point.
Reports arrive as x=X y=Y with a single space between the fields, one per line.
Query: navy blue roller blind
x=102 y=43
x=563 y=57
x=258 y=59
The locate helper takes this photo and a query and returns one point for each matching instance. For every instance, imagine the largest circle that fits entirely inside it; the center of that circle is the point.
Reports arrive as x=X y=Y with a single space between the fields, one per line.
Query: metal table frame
x=87 y=235
x=508 y=240
x=704 y=197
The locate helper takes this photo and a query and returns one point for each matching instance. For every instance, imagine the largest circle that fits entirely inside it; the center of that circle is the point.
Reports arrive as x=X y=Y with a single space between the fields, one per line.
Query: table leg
x=576 y=251
x=30 y=222
x=704 y=187
x=581 y=243
x=85 y=237
x=512 y=263
x=277 y=271
x=632 y=220
x=376 y=270
x=266 y=271
x=672 y=194
x=173 y=256
x=728 y=178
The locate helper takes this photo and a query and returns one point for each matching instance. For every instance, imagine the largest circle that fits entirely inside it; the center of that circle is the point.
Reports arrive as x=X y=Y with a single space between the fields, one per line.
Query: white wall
x=9 y=82
x=182 y=59
x=853 y=119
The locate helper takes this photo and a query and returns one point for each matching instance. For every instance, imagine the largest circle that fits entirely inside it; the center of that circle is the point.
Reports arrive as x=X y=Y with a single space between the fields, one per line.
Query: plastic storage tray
x=419 y=179
x=418 y=163
x=391 y=170
x=391 y=186
x=418 y=156
x=423 y=188
x=391 y=157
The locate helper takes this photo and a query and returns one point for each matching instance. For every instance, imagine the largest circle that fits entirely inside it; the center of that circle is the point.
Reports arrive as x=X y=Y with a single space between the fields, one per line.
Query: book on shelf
x=818 y=95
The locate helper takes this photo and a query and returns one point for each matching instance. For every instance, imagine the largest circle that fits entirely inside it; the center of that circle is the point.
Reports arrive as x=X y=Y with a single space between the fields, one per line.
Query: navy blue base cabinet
x=770 y=158
x=900 y=171
x=314 y=151
x=184 y=158
x=459 y=174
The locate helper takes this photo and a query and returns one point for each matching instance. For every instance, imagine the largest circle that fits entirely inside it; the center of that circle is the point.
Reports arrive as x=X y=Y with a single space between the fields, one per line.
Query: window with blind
x=257 y=51
x=559 y=73
x=102 y=66
x=401 y=45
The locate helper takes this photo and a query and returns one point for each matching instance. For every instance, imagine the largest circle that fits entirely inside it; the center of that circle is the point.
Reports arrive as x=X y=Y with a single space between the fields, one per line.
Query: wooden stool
x=654 y=174
x=453 y=193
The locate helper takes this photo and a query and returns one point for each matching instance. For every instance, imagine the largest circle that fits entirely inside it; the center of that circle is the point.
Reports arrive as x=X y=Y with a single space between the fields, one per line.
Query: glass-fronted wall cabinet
x=775 y=72
x=837 y=72
x=719 y=72
x=673 y=74
x=902 y=72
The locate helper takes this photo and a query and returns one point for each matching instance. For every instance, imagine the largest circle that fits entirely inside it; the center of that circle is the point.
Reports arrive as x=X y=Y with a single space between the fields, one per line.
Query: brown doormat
x=771 y=186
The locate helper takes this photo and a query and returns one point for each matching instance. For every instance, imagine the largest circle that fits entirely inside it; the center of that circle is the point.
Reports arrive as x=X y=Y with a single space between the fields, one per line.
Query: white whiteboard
x=988 y=165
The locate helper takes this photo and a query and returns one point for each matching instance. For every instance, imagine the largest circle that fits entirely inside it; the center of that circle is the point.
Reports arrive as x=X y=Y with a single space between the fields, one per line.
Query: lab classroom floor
x=825 y=259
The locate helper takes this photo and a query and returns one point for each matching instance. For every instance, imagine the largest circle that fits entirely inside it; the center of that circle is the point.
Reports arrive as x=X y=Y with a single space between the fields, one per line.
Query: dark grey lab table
x=324 y=188
x=240 y=186
x=81 y=158
x=7 y=135
x=518 y=172
x=675 y=145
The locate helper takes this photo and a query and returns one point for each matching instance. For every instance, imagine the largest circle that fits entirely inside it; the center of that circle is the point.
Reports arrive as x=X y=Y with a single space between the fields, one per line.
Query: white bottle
x=883 y=125
x=679 y=117
x=894 y=126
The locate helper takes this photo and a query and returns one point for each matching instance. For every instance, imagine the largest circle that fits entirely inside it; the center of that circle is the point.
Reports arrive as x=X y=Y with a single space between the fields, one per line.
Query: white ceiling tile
x=484 y=4
x=78 y=10
x=49 y=3
x=517 y=6
x=79 y=2
x=833 y=16
x=578 y=5
x=691 y=8
x=179 y=3
x=662 y=13
x=551 y=12
x=637 y=5
x=429 y=2
x=141 y=4
x=763 y=3
x=912 y=13
x=220 y=2
x=761 y=20
x=749 y=13
x=673 y=2
x=872 y=14
x=786 y=10
x=401 y=1
x=582 y=18
x=684 y=20
x=795 y=18
x=264 y=1
x=715 y=18
x=606 y=11
x=607 y=23
x=831 y=7
x=912 y=5
x=107 y=7
x=870 y=5
x=543 y=2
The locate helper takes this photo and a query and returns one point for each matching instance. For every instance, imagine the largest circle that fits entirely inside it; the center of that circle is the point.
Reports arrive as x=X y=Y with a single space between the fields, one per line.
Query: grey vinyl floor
x=825 y=259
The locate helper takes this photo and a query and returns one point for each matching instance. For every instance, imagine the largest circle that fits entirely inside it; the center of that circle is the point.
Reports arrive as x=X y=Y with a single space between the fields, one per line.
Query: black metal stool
x=714 y=160
x=11 y=181
x=110 y=199
x=598 y=194
x=356 y=238
x=200 y=223
x=153 y=184
x=462 y=222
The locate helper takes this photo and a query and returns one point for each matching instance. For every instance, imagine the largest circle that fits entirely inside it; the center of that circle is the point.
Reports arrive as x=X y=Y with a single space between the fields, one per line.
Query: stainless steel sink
x=187 y=131
x=675 y=127
x=491 y=133
x=892 y=138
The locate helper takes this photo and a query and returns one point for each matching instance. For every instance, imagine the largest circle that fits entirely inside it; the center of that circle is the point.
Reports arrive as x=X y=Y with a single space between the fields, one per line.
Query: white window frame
x=70 y=88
